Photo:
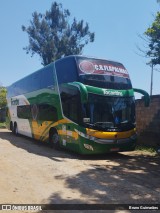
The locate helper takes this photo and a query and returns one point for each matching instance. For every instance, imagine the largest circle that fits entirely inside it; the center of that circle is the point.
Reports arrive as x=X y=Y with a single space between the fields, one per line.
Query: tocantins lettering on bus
x=14 y=102
x=112 y=93
x=34 y=111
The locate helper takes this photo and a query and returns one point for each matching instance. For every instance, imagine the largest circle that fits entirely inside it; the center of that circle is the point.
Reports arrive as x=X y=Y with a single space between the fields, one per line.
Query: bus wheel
x=54 y=140
x=15 y=130
x=11 y=126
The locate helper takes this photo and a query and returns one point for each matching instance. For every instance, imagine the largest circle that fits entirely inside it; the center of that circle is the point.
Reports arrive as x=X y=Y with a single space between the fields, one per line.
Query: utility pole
x=151 y=88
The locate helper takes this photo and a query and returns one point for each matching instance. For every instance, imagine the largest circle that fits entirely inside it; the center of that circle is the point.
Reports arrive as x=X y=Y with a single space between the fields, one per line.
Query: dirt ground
x=33 y=173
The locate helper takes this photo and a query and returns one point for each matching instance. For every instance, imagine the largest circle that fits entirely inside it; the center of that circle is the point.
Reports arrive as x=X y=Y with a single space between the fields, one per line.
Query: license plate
x=114 y=149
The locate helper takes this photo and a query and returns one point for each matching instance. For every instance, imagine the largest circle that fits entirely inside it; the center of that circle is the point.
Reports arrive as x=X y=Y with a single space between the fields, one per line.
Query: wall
x=148 y=121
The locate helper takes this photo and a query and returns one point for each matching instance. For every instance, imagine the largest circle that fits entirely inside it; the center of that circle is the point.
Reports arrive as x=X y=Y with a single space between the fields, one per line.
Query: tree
x=3 y=93
x=153 y=41
x=53 y=35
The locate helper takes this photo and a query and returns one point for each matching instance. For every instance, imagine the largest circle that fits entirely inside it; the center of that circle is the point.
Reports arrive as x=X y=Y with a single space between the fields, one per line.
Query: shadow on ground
x=123 y=178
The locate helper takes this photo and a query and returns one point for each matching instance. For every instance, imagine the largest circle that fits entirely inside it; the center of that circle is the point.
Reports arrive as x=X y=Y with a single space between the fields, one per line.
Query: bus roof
x=64 y=58
x=88 y=57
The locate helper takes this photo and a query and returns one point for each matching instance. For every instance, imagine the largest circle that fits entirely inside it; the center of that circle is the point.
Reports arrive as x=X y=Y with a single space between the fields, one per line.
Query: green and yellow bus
x=83 y=104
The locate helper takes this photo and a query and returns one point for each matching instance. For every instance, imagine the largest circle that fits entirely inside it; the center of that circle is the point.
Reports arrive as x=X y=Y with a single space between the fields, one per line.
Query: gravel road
x=33 y=173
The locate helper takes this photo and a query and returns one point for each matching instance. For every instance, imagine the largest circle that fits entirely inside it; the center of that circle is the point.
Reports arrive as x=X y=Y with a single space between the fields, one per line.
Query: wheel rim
x=16 y=130
x=55 y=139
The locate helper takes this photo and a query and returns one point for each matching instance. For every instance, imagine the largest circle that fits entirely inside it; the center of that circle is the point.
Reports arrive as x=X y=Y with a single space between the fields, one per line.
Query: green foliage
x=153 y=36
x=146 y=149
x=2 y=125
x=3 y=93
x=53 y=35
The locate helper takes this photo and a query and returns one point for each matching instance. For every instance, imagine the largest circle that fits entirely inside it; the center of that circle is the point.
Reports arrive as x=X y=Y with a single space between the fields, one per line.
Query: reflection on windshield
x=106 y=81
x=110 y=112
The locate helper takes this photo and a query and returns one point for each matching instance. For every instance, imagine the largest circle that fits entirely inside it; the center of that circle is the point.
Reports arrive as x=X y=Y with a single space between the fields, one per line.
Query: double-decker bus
x=80 y=103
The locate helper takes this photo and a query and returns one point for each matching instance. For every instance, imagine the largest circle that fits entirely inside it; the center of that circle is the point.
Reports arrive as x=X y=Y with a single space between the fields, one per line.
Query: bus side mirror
x=86 y=120
x=146 y=101
x=146 y=96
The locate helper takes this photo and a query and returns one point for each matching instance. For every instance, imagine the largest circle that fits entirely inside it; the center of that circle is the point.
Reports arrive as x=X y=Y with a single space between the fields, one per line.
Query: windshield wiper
x=104 y=124
x=107 y=126
x=126 y=125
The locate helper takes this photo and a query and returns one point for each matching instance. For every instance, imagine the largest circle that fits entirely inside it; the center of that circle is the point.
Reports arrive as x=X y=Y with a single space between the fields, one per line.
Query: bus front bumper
x=116 y=141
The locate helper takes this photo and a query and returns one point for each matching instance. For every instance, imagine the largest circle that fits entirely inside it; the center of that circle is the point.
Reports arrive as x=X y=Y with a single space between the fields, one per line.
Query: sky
x=118 y=25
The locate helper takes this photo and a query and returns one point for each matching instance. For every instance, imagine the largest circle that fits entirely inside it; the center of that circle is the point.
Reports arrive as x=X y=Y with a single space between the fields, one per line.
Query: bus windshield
x=109 y=113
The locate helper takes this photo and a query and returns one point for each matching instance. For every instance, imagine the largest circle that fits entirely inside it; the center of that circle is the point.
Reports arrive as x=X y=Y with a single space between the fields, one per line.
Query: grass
x=147 y=149
x=2 y=125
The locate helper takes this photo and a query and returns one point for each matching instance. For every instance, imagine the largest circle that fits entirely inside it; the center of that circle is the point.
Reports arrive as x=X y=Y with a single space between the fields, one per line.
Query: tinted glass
x=24 y=112
x=43 y=112
x=43 y=78
x=47 y=78
x=115 y=112
x=66 y=70
x=103 y=73
x=71 y=104
x=107 y=82
x=47 y=113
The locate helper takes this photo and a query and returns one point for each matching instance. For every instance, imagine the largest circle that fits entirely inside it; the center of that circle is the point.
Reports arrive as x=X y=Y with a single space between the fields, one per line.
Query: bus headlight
x=134 y=137
x=85 y=135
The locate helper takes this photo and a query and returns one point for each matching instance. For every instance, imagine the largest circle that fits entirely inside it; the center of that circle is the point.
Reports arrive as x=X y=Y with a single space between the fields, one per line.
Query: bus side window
x=70 y=98
x=24 y=112
x=66 y=70
x=36 y=82
x=47 y=113
x=47 y=78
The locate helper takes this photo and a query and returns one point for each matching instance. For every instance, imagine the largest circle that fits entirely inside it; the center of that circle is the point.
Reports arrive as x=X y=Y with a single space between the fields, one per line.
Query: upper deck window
x=66 y=70
x=41 y=79
x=103 y=73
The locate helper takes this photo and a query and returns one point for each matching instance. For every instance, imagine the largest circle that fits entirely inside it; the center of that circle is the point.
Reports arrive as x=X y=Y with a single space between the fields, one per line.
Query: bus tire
x=11 y=126
x=54 y=140
x=15 y=129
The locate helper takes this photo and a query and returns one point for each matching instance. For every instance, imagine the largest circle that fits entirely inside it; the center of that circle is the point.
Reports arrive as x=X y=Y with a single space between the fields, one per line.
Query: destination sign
x=102 y=67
